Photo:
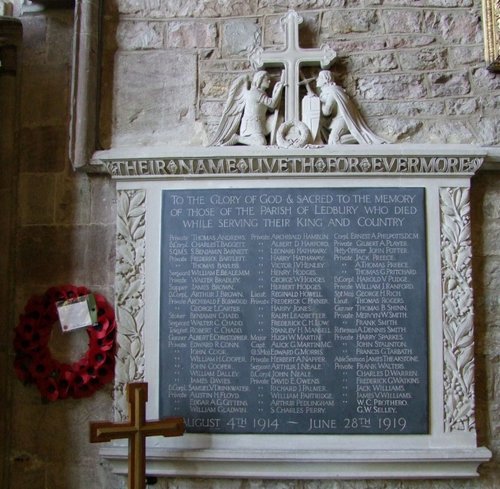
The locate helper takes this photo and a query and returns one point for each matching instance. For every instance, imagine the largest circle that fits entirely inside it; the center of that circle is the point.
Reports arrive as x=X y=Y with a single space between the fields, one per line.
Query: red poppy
x=22 y=371
x=42 y=366
x=48 y=388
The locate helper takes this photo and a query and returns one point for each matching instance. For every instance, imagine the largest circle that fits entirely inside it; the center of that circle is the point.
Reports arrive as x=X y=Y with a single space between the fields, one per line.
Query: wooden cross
x=136 y=430
x=291 y=57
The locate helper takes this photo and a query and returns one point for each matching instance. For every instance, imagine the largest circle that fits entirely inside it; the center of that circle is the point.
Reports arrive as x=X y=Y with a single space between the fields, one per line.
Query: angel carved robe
x=341 y=119
x=245 y=117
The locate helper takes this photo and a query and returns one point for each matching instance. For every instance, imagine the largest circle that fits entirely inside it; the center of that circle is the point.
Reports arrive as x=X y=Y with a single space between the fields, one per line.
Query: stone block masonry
x=432 y=47
x=389 y=52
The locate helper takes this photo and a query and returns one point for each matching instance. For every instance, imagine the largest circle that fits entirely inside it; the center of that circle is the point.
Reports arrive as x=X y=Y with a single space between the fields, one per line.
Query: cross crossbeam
x=136 y=430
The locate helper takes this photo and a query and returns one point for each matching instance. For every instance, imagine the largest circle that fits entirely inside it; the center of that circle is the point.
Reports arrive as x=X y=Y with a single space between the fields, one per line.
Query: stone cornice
x=359 y=160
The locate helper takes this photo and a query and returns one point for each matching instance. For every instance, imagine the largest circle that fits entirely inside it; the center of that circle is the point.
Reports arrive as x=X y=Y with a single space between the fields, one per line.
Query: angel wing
x=233 y=110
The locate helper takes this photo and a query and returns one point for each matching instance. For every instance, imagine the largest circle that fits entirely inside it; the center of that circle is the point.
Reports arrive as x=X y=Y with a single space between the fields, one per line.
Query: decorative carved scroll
x=458 y=331
x=129 y=285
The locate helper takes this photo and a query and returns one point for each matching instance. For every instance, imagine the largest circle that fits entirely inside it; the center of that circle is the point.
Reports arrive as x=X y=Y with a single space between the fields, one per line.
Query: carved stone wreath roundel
x=292 y=134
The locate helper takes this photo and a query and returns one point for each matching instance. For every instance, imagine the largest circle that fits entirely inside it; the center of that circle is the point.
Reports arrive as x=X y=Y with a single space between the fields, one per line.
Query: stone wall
x=65 y=234
x=415 y=69
x=10 y=42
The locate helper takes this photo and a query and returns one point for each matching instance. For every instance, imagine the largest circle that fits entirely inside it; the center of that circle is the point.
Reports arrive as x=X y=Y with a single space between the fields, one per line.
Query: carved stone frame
x=449 y=450
x=491 y=29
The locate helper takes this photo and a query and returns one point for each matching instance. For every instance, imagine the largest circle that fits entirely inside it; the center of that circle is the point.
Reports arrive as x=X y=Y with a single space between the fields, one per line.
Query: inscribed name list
x=298 y=310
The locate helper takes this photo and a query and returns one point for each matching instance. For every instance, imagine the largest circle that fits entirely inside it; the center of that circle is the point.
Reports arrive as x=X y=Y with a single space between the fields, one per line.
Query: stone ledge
x=432 y=463
x=155 y=151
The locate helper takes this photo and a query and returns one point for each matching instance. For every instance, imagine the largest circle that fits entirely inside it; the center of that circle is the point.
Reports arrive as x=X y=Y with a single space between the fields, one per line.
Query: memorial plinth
x=307 y=311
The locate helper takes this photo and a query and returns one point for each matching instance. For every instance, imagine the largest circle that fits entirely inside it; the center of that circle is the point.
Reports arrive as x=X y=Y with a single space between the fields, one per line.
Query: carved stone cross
x=136 y=430
x=291 y=57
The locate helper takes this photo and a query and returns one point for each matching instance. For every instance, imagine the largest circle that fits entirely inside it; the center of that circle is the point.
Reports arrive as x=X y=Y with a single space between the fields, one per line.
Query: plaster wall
x=414 y=67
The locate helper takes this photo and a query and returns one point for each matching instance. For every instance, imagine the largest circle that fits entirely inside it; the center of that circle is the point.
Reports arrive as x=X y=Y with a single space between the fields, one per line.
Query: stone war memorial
x=301 y=237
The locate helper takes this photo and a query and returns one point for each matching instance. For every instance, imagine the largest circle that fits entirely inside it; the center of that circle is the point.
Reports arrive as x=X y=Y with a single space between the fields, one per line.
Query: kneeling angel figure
x=245 y=118
x=340 y=117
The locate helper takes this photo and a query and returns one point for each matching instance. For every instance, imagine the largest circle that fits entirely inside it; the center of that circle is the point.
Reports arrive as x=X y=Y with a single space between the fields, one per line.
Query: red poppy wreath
x=34 y=363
